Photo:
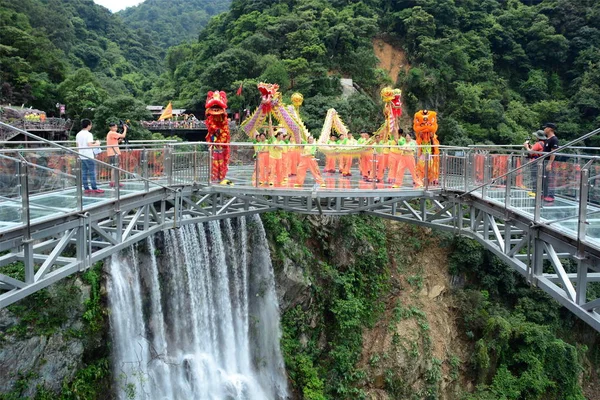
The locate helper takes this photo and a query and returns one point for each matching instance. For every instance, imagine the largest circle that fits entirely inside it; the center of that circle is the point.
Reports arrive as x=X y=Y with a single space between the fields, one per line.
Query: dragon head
x=387 y=94
x=397 y=103
x=216 y=103
x=297 y=99
x=268 y=91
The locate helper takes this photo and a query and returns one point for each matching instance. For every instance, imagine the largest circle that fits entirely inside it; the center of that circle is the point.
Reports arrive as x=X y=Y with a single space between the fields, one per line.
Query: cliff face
x=409 y=343
x=55 y=342
x=369 y=309
x=381 y=310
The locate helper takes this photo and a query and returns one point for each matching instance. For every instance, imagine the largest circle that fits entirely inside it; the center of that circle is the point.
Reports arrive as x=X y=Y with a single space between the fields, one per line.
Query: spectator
x=85 y=145
x=551 y=144
x=112 y=141
x=535 y=151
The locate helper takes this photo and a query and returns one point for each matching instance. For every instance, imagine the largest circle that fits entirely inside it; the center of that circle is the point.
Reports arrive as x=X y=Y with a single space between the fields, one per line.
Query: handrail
x=69 y=150
x=536 y=161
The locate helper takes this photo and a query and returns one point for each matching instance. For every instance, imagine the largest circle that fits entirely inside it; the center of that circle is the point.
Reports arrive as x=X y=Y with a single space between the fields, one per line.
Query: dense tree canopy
x=170 y=22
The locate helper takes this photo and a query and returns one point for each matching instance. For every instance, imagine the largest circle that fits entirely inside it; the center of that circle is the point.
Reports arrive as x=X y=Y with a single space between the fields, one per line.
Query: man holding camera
x=113 y=137
x=550 y=145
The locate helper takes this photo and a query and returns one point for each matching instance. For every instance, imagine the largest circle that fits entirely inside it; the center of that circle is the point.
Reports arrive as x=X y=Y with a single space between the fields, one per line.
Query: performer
x=407 y=161
x=262 y=160
x=330 y=159
x=308 y=161
x=217 y=124
x=425 y=126
x=365 y=157
x=395 y=153
x=379 y=170
x=276 y=160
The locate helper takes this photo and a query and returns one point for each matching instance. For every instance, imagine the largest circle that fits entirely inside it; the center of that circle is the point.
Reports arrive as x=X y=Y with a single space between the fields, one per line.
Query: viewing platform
x=54 y=228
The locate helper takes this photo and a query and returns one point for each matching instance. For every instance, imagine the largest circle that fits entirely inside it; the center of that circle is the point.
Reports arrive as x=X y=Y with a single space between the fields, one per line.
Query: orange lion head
x=216 y=103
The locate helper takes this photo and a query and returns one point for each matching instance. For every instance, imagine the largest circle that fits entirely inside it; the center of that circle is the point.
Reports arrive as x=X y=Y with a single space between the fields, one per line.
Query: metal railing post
x=486 y=175
x=466 y=170
x=210 y=165
x=538 y=193
x=195 y=164
x=583 y=200
x=117 y=175
x=25 y=218
x=145 y=169
x=444 y=170
x=426 y=177
x=169 y=164
x=79 y=183
x=508 y=182
x=374 y=167
x=257 y=169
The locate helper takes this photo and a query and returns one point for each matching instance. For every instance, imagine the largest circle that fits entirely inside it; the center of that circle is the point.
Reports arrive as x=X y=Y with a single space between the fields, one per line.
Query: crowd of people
x=281 y=163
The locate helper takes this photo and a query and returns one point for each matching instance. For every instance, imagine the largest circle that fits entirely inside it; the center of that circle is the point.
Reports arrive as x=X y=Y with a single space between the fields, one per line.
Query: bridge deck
x=43 y=209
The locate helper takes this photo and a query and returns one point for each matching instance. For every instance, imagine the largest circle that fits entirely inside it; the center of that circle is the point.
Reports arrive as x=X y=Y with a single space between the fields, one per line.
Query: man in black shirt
x=550 y=145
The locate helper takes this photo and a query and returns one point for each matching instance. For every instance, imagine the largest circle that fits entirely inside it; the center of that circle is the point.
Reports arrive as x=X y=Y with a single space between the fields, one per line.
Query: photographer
x=113 y=137
x=534 y=151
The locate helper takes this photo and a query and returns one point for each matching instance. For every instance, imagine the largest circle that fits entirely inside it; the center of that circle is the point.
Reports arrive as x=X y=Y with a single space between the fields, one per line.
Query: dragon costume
x=272 y=106
x=425 y=126
x=217 y=124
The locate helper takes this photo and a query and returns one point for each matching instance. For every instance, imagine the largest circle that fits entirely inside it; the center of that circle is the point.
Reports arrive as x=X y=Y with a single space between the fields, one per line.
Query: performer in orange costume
x=262 y=160
x=217 y=124
x=276 y=160
x=307 y=161
x=425 y=126
x=407 y=161
x=330 y=159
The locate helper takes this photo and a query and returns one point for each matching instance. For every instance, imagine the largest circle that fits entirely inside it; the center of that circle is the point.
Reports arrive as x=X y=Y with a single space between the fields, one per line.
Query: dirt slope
x=391 y=58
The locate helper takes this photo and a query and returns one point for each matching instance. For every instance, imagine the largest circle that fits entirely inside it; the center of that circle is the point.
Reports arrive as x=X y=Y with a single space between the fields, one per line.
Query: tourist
x=551 y=144
x=534 y=152
x=112 y=141
x=85 y=146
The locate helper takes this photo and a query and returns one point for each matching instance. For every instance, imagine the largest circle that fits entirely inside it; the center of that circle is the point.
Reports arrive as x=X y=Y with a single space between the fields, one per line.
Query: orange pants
x=330 y=163
x=262 y=166
x=404 y=162
x=379 y=168
x=346 y=164
x=294 y=161
x=384 y=158
x=276 y=171
x=365 y=163
x=393 y=161
x=308 y=162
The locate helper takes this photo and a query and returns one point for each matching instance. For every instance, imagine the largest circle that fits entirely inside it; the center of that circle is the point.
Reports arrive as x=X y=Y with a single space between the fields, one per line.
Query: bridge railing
x=45 y=182
x=565 y=197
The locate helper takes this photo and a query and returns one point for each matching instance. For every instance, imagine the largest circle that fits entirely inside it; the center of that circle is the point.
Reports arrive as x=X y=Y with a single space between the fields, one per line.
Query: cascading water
x=199 y=318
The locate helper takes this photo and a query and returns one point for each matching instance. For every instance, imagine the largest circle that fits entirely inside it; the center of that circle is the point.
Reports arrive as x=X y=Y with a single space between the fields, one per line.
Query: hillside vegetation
x=494 y=70
x=170 y=22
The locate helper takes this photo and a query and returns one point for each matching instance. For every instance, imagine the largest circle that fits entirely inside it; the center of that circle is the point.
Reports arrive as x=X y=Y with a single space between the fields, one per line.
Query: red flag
x=239 y=91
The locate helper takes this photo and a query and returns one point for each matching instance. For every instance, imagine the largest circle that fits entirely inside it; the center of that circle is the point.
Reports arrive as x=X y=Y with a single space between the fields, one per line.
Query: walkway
x=44 y=214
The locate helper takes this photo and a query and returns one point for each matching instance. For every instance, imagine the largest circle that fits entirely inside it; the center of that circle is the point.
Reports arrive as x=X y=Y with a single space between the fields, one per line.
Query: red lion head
x=216 y=102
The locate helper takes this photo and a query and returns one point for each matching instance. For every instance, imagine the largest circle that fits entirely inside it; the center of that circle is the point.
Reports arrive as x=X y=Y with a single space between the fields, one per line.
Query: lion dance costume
x=217 y=124
x=425 y=126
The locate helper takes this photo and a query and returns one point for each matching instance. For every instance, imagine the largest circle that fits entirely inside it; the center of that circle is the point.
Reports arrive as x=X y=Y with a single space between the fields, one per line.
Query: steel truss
x=535 y=251
x=54 y=249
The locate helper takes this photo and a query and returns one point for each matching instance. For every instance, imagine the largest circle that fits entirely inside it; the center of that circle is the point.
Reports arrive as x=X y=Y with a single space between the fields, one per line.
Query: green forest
x=493 y=70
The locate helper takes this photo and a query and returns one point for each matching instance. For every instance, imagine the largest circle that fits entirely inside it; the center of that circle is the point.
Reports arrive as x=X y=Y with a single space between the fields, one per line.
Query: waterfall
x=194 y=315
